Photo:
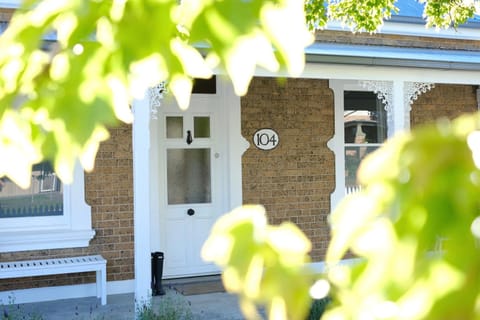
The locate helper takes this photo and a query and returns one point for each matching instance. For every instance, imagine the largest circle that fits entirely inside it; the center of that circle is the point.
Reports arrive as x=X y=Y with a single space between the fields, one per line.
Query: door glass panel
x=174 y=127
x=201 y=127
x=188 y=176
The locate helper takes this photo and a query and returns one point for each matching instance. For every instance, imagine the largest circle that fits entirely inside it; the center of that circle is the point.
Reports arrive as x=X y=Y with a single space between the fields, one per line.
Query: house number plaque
x=266 y=139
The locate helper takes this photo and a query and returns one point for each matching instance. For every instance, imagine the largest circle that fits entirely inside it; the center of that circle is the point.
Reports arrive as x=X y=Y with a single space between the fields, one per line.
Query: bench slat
x=27 y=268
x=85 y=260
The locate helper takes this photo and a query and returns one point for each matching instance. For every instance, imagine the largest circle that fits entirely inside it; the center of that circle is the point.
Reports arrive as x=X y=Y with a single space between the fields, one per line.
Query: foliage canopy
x=57 y=99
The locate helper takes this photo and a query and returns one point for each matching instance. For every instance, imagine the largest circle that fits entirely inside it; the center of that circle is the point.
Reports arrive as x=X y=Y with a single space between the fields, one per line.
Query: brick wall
x=293 y=181
x=447 y=101
x=6 y=14
x=109 y=191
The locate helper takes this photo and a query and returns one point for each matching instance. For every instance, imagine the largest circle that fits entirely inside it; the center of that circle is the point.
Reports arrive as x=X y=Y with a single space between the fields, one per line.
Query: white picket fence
x=352 y=189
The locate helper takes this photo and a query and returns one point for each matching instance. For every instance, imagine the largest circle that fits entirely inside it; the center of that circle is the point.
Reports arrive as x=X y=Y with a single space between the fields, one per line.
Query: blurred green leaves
x=448 y=13
x=65 y=94
x=57 y=99
x=369 y=15
x=263 y=264
x=362 y=15
x=414 y=227
x=414 y=224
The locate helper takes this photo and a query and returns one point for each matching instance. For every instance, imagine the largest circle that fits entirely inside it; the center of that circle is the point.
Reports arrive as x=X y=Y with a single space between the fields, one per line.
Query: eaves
x=393 y=56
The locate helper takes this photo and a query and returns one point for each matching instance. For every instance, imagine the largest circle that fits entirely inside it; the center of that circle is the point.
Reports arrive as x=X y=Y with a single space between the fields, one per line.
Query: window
x=49 y=215
x=44 y=197
x=365 y=129
x=361 y=126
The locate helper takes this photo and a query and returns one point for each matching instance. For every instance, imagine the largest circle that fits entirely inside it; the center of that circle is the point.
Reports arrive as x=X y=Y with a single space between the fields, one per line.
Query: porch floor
x=211 y=306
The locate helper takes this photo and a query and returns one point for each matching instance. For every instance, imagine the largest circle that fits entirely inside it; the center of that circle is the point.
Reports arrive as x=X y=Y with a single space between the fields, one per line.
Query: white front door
x=191 y=191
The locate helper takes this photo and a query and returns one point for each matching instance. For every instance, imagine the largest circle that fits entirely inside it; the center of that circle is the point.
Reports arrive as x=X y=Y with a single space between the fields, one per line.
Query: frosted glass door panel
x=188 y=176
x=174 y=127
x=201 y=127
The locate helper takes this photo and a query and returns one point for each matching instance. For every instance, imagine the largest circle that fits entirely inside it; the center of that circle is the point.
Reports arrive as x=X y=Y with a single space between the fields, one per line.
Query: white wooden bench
x=30 y=268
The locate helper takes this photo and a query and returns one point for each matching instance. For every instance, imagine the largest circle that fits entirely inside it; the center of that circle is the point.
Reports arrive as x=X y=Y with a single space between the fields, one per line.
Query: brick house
x=159 y=184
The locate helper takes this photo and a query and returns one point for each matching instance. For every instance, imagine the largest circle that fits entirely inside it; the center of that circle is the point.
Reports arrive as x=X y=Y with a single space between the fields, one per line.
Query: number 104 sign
x=266 y=139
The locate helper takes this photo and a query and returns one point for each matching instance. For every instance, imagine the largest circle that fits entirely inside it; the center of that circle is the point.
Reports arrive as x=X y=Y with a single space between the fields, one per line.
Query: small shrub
x=173 y=306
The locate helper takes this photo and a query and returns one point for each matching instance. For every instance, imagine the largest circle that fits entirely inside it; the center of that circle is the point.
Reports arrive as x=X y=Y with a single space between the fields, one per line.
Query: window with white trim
x=50 y=215
x=365 y=129
x=362 y=124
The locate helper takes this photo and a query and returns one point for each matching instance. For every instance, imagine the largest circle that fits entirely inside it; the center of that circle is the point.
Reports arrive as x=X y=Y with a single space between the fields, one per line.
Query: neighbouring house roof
x=403 y=41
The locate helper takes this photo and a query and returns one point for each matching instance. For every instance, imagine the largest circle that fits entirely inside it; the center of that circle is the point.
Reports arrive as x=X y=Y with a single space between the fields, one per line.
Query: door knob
x=189 y=137
x=190 y=212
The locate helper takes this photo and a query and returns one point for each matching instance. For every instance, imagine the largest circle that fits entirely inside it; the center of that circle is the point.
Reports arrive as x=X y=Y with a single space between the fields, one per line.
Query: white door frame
x=172 y=240
x=143 y=165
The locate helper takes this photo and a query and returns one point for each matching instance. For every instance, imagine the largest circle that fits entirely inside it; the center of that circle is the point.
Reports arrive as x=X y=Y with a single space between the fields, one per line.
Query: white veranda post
x=143 y=110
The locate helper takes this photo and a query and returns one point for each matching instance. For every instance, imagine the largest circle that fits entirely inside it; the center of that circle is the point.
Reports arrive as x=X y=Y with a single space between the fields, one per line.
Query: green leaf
x=87 y=80
x=263 y=264
x=413 y=224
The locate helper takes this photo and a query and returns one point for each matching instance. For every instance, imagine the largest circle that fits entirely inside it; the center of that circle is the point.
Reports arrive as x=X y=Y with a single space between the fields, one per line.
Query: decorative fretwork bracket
x=412 y=90
x=156 y=95
x=384 y=91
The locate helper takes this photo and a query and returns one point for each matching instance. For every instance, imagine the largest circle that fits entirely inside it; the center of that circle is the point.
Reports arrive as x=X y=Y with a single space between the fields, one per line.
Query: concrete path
x=211 y=306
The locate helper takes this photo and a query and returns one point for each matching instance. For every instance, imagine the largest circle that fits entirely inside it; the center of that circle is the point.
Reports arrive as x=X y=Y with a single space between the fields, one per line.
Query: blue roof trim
x=393 y=56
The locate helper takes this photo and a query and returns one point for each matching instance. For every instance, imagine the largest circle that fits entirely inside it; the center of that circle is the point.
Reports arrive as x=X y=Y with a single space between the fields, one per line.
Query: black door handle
x=190 y=212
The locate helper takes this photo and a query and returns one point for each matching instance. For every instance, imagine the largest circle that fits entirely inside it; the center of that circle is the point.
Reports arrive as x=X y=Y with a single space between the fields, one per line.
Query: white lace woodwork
x=384 y=91
x=156 y=95
x=412 y=90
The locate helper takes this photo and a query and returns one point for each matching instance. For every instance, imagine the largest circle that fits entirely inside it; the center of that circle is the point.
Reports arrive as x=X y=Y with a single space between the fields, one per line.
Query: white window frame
x=376 y=145
x=337 y=143
x=72 y=229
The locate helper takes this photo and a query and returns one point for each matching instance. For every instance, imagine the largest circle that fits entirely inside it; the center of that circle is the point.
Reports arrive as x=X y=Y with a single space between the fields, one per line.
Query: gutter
x=393 y=56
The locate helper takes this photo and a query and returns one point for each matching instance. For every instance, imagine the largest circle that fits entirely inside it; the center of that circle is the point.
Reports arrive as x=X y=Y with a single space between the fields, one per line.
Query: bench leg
x=102 y=285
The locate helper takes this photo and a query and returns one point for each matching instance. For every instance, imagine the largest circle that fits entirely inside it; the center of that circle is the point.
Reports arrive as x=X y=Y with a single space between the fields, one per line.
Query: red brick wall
x=379 y=39
x=295 y=180
x=109 y=190
x=443 y=101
